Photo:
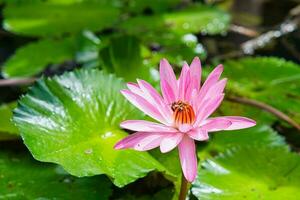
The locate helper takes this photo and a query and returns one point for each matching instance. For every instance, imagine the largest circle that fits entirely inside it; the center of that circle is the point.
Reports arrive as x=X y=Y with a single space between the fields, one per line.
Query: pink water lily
x=182 y=111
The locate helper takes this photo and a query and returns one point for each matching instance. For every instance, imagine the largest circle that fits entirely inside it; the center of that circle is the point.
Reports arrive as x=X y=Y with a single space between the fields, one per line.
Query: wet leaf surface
x=256 y=172
x=73 y=120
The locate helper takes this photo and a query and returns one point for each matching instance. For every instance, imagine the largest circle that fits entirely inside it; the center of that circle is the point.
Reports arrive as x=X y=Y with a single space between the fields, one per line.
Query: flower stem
x=183 y=188
x=16 y=82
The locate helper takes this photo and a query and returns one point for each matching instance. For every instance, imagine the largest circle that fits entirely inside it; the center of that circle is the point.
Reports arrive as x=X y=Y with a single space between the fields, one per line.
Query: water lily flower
x=182 y=111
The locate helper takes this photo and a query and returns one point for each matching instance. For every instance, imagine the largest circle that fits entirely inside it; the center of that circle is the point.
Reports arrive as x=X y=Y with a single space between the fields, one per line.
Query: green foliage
x=256 y=172
x=88 y=49
x=165 y=194
x=73 y=120
x=198 y=18
x=207 y=20
x=6 y=113
x=238 y=109
x=169 y=160
x=56 y=18
x=260 y=135
x=33 y=58
x=157 y=6
x=123 y=57
x=23 y=178
x=175 y=49
x=251 y=163
x=270 y=80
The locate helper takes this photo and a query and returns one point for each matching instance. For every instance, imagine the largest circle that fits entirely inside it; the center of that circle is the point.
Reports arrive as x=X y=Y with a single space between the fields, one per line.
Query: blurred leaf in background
x=6 y=113
x=55 y=18
x=33 y=58
x=123 y=57
x=30 y=179
x=270 y=80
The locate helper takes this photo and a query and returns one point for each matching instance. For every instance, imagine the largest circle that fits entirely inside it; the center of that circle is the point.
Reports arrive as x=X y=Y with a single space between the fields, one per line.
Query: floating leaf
x=204 y=19
x=267 y=79
x=260 y=135
x=195 y=19
x=170 y=34
x=56 y=18
x=256 y=172
x=73 y=120
x=33 y=58
x=23 y=178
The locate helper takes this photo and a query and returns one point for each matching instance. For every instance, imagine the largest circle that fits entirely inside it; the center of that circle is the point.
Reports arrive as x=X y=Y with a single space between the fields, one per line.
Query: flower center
x=183 y=113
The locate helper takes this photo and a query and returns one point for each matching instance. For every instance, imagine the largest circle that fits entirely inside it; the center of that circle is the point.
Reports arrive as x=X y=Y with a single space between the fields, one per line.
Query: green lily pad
x=33 y=58
x=23 y=178
x=73 y=120
x=256 y=172
x=204 y=19
x=268 y=79
x=195 y=19
x=57 y=18
x=259 y=135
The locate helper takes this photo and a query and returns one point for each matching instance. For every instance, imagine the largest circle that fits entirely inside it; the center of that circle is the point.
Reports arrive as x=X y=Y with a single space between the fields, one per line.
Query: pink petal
x=168 y=81
x=143 y=105
x=188 y=159
x=216 y=124
x=184 y=80
x=146 y=126
x=198 y=134
x=195 y=73
x=214 y=76
x=236 y=122
x=168 y=93
x=194 y=99
x=183 y=128
x=208 y=108
x=133 y=87
x=170 y=142
x=141 y=141
x=216 y=89
x=211 y=80
x=155 y=99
